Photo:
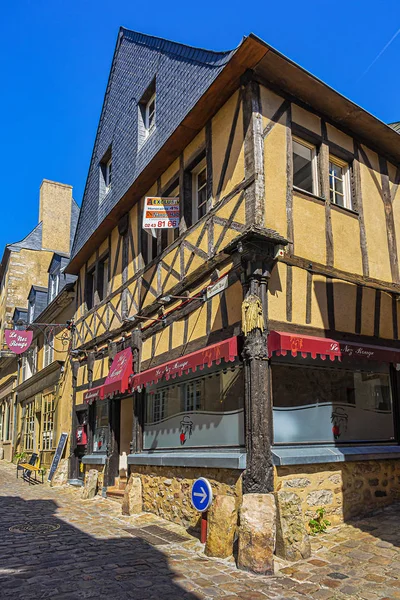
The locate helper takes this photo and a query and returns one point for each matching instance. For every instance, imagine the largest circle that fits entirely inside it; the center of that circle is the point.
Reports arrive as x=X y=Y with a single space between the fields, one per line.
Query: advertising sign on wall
x=160 y=213
x=18 y=341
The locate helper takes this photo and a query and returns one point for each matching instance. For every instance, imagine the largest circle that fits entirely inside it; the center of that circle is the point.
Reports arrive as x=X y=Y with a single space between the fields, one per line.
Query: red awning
x=117 y=381
x=96 y=393
x=280 y=344
x=226 y=350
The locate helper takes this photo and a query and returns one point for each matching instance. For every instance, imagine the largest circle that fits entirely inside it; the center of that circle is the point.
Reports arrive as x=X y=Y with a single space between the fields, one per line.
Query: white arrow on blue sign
x=202 y=495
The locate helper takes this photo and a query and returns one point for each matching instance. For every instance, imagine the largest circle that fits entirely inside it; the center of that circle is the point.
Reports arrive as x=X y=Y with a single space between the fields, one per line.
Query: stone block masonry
x=166 y=490
x=344 y=490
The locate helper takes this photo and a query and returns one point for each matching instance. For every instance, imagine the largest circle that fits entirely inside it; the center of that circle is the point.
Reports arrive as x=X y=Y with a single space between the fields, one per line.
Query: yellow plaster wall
x=368 y=311
x=344 y=295
x=346 y=242
x=374 y=217
x=194 y=146
x=299 y=287
x=319 y=304
x=277 y=293
x=309 y=229
x=274 y=163
x=306 y=119
x=221 y=127
x=338 y=137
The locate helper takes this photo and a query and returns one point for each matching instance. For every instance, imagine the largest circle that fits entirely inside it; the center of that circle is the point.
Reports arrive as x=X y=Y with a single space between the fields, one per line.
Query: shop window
x=339 y=182
x=204 y=411
x=101 y=426
x=305 y=169
x=48 y=422
x=29 y=427
x=314 y=403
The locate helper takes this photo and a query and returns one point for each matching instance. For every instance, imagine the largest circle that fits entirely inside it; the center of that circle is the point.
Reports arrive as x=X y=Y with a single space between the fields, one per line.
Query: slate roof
x=395 y=126
x=182 y=73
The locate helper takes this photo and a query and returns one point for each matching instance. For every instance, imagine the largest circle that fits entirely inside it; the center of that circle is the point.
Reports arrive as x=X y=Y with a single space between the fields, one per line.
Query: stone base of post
x=257 y=533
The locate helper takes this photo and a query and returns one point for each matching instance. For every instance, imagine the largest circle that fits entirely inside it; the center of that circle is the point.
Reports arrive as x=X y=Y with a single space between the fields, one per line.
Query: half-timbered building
x=257 y=343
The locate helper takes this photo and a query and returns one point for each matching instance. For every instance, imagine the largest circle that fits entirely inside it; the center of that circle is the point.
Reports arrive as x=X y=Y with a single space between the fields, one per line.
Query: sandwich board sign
x=58 y=454
x=160 y=213
x=202 y=495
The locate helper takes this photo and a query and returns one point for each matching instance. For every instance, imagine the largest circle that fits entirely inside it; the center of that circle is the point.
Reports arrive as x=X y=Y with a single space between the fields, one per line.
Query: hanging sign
x=160 y=213
x=217 y=287
x=18 y=341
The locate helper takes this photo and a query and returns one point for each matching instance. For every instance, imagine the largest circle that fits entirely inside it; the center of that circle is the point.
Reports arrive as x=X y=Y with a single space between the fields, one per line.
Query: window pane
x=313 y=404
x=302 y=167
x=205 y=411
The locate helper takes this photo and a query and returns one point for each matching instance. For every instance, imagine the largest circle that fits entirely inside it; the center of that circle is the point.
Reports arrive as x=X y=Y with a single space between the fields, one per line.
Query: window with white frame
x=305 y=168
x=108 y=174
x=199 y=191
x=29 y=426
x=48 y=421
x=29 y=362
x=48 y=349
x=54 y=285
x=31 y=310
x=150 y=115
x=339 y=182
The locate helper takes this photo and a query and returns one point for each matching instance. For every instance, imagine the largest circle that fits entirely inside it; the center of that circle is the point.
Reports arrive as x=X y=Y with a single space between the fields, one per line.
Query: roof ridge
x=172 y=47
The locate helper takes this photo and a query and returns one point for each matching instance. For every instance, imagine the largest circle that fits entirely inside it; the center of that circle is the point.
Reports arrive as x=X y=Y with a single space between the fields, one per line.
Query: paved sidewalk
x=89 y=554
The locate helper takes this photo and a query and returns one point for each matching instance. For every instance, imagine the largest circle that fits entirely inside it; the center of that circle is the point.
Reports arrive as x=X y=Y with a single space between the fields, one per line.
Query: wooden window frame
x=29 y=427
x=48 y=421
x=315 y=172
x=150 y=126
x=347 y=191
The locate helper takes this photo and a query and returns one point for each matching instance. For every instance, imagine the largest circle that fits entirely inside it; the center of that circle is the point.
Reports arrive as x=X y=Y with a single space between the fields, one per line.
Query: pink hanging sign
x=18 y=341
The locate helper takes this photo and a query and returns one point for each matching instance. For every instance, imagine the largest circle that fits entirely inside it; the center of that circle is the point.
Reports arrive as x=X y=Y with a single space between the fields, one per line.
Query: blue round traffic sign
x=202 y=495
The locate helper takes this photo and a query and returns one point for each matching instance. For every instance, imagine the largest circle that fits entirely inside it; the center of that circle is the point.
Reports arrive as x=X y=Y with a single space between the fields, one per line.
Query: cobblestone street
x=89 y=554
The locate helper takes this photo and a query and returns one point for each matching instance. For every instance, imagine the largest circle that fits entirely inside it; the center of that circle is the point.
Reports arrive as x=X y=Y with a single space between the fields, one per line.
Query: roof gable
x=182 y=75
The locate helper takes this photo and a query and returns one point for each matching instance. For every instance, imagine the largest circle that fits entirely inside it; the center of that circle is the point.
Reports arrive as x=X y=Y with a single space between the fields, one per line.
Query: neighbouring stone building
x=31 y=276
x=257 y=343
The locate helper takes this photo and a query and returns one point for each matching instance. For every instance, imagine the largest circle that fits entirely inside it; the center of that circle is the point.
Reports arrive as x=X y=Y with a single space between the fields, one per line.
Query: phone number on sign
x=162 y=224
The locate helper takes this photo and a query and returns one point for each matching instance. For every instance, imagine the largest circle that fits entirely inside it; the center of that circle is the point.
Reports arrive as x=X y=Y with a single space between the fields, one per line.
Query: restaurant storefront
x=332 y=403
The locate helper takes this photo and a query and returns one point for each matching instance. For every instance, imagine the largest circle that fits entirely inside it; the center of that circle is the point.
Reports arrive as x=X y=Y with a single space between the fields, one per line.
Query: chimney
x=55 y=213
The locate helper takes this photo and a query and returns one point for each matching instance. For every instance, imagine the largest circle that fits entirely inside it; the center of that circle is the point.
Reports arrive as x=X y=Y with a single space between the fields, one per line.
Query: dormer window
x=31 y=310
x=105 y=173
x=54 y=285
x=108 y=173
x=147 y=113
x=150 y=116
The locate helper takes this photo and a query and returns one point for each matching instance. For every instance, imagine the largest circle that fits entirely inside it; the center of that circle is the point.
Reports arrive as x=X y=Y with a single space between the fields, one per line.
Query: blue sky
x=55 y=57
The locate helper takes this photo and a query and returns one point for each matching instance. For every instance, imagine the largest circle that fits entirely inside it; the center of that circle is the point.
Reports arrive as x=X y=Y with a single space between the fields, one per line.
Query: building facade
x=27 y=288
x=257 y=343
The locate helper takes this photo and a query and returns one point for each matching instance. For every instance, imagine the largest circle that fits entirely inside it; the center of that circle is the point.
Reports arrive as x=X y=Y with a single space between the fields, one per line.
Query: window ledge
x=298 y=190
x=303 y=455
x=196 y=458
x=344 y=209
x=94 y=459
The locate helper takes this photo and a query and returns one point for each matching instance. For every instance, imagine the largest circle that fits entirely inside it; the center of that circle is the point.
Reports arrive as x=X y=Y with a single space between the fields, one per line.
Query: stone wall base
x=166 y=490
x=345 y=490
